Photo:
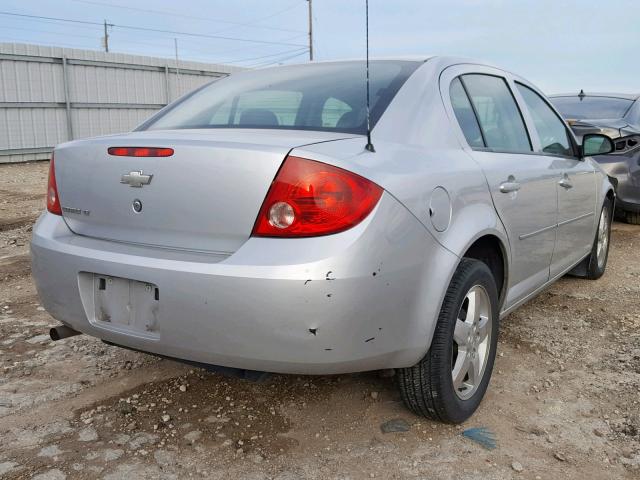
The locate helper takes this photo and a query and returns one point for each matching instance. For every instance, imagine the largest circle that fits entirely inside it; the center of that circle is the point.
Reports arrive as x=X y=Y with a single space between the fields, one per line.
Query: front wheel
x=450 y=381
x=597 y=260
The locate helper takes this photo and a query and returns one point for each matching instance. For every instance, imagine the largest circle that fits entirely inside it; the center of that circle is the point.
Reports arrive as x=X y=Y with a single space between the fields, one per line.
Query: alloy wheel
x=603 y=238
x=471 y=342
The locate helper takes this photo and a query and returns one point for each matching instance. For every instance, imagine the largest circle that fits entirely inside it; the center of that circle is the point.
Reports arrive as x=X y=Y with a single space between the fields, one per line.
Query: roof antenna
x=369 y=145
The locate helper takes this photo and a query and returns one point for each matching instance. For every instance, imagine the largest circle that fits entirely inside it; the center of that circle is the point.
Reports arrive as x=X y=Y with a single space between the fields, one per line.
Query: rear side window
x=464 y=114
x=554 y=138
x=500 y=120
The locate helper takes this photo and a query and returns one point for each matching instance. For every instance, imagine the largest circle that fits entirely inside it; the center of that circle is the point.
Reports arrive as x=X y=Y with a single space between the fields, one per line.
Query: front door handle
x=510 y=185
x=565 y=183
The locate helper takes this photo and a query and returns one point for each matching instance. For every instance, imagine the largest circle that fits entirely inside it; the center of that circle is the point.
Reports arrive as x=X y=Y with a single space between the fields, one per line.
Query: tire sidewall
x=594 y=269
x=458 y=409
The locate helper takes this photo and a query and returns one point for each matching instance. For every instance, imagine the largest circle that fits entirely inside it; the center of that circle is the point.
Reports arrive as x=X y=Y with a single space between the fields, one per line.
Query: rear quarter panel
x=420 y=148
x=418 y=155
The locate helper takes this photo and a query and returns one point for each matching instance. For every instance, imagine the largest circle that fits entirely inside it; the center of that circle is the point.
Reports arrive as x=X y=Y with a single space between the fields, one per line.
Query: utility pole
x=310 y=30
x=175 y=43
x=106 y=37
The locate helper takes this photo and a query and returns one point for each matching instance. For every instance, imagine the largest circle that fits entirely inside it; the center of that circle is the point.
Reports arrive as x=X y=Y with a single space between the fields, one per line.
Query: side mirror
x=596 y=144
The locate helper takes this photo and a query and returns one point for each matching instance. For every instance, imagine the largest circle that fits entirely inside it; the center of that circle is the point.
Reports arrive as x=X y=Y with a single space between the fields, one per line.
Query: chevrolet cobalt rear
x=247 y=226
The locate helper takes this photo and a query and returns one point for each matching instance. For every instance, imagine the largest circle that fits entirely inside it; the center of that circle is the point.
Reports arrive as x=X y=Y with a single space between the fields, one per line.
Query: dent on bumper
x=364 y=299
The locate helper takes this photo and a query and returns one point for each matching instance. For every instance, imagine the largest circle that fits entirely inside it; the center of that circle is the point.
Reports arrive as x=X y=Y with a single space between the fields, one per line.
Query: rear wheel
x=450 y=381
x=597 y=260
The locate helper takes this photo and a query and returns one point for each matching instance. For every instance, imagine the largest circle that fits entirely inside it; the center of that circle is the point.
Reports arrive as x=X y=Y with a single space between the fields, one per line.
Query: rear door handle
x=509 y=186
x=565 y=183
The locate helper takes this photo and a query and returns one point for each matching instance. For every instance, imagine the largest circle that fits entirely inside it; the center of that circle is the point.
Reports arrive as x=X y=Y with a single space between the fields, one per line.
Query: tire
x=596 y=262
x=427 y=388
x=632 y=217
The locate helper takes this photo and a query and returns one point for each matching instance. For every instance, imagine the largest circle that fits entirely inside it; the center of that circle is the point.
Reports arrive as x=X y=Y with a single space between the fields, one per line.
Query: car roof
x=624 y=96
x=443 y=60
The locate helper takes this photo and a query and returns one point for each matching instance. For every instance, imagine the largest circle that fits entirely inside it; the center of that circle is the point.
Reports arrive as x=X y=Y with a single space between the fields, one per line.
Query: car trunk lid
x=205 y=197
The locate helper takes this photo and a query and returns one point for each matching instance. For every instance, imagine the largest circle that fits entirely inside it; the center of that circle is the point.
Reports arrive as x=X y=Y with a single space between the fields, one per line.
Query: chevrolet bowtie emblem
x=136 y=179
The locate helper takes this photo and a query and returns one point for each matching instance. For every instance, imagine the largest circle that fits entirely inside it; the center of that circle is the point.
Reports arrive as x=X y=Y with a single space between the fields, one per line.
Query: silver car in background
x=247 y=225
x=616 y=115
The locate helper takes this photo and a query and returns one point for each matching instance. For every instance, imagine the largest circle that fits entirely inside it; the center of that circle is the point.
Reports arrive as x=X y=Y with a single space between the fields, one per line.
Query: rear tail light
x=140 y=151
x=309 y=198
x=53 y=200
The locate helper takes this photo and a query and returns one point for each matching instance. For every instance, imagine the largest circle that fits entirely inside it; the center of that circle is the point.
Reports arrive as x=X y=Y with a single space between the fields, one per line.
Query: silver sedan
x=246 y=225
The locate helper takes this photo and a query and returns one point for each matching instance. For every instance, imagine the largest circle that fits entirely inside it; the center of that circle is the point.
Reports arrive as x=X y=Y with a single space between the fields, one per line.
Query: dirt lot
x=564 y=401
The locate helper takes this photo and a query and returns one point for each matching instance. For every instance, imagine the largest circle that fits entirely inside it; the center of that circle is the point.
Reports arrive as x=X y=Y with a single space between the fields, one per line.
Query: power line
x=166 y=47
x=279 y=12
x=94 y=37
x=159 y=46
x=280 y=60
x=193 y=17
x=297 y=50
x=158 y=30
x=49 y=18
x=162 y=47
x=253 y=47
x=55 y=43
x=91 y=28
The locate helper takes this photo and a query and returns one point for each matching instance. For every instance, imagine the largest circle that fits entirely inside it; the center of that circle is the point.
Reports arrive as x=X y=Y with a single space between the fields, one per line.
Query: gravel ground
x=564 y=401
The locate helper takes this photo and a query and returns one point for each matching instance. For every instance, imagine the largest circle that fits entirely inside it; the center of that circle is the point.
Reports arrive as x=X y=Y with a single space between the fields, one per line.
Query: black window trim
x=524 y=123
x=473 y=109
x=570 y=136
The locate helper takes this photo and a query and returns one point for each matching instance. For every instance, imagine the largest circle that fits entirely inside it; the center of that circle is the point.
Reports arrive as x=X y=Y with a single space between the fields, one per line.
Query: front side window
x=323 y=96
x=464 y=114
x=552 y=132
x=500 y=120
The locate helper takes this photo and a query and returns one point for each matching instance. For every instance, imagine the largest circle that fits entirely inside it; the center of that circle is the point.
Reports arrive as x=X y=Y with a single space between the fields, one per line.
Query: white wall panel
x=23 y=128
x=91 y=122
x=108 y=93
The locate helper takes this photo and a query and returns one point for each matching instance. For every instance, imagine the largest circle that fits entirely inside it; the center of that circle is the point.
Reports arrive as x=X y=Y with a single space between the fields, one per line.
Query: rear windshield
x=328 y=97
x=591 y=107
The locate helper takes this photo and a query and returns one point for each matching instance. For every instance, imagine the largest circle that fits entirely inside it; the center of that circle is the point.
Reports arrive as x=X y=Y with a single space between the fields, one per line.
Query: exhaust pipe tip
x=61 y=332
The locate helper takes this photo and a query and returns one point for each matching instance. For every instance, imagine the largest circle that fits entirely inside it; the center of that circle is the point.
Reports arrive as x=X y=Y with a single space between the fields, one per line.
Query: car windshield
x=323 y=96
x=591 y=107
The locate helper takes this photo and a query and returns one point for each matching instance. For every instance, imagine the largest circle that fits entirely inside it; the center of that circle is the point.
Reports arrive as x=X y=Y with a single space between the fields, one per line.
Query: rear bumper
x=364 y=299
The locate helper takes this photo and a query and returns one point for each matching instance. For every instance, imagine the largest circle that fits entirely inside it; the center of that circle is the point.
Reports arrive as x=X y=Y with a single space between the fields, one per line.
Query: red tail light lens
x=53 y=200
x=309 y=198
x=140 y=151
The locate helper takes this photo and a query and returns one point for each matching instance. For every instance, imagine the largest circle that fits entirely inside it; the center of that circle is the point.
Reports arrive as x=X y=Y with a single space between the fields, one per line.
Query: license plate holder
x=122 y=304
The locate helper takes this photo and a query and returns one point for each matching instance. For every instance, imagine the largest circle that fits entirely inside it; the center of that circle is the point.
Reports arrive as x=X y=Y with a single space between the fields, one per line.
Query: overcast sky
x=558 y=45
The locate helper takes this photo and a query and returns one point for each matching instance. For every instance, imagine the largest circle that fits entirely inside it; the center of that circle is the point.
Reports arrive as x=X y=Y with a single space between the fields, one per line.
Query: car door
x=576 y=186
x=522 y=184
